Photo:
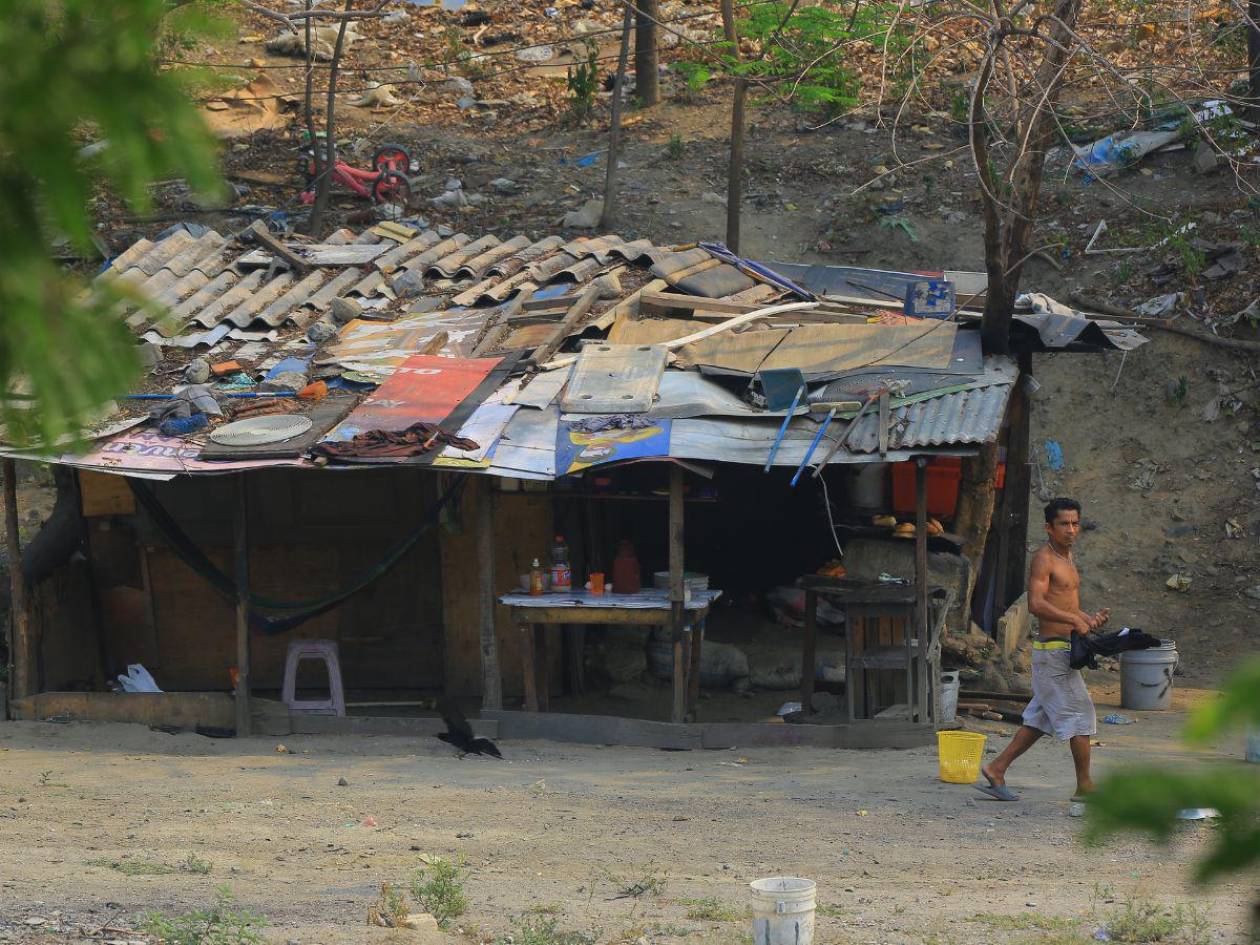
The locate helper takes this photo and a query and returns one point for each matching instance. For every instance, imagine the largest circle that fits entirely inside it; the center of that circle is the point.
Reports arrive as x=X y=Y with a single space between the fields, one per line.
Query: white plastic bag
x=137 y=679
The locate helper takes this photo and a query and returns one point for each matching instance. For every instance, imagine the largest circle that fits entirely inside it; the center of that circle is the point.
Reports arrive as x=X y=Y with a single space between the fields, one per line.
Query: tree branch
x=291 y=18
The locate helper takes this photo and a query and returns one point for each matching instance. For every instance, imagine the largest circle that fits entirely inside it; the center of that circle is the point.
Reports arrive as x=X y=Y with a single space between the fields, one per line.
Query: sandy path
x=904 y=857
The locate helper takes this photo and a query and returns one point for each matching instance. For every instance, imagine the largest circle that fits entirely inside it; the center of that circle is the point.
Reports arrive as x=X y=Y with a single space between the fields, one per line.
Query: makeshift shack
x=366 y=443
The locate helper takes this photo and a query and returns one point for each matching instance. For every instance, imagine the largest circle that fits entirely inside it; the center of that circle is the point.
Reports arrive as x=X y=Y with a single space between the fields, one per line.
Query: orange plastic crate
x=943 y=476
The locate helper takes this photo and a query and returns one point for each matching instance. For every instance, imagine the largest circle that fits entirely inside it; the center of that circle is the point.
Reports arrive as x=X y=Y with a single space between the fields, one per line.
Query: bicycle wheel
x=392 y=157
x=391 y=188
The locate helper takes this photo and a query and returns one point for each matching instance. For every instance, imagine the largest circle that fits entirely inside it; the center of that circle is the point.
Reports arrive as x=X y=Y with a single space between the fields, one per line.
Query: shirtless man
x=1060 y=705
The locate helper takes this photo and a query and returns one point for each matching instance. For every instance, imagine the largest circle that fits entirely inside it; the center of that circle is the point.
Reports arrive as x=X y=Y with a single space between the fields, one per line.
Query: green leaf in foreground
x=74 y=71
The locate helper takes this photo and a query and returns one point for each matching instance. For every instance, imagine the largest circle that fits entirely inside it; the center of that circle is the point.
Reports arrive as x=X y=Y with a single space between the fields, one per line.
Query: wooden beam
x=491 y=678
x=922 y=618
x=695 y=654
x=495 y=329
x=527 y=666
x=264 y=237
x=652 y=301
x=21 y=659
x=808 y=652
x=435 y=344
x=577 y=311
x=1015 y=501
x=677 y=614
x=241 y=531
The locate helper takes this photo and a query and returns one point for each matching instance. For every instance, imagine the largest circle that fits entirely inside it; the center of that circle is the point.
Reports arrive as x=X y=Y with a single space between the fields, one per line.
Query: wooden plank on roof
x=323 y=254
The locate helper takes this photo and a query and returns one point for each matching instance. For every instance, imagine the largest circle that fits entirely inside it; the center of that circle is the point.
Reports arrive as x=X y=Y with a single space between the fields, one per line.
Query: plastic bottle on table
x=561 y=573
x=535 y=579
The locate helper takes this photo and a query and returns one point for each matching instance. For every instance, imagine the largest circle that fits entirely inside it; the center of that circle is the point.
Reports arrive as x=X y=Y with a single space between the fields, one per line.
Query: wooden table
x=649 y=607
x=859 y=599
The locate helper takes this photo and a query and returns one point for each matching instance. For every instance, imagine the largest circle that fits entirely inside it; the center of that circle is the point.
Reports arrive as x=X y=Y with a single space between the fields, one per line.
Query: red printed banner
x=424 y=387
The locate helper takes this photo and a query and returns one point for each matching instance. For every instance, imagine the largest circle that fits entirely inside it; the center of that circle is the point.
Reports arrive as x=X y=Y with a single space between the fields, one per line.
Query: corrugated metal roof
x=965 y=417
x=484 y=293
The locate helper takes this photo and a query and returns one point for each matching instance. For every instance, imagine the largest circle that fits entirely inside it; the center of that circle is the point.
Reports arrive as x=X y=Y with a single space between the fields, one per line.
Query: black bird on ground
x=460 y=734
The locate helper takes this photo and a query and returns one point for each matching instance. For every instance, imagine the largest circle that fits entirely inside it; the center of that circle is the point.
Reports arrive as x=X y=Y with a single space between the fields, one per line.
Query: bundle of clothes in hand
x=1086 y=648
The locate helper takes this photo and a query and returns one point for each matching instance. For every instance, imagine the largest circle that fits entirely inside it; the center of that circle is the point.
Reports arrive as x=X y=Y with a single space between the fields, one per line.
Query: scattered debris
x=324 y=37
x=1161 y=306
x=1179 y=582
x=1054 y=455
x=1115 y=718
x=1198 y=813
x=586 y=217
x=378 y=95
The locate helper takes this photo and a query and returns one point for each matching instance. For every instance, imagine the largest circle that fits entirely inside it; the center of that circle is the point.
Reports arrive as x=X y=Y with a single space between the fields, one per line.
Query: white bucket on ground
x=951 y=682
x=1253 y=746
x=783 y=910
x=1146 y=677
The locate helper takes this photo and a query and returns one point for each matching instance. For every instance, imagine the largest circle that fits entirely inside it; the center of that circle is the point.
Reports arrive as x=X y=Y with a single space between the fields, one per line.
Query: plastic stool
x=325 y=650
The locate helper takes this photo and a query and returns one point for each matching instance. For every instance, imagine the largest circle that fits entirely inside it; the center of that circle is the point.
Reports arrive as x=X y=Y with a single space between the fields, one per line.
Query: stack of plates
x=695 y=582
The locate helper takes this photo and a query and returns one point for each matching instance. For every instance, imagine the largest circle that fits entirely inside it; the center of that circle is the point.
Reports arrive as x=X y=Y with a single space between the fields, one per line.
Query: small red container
x=943 y=476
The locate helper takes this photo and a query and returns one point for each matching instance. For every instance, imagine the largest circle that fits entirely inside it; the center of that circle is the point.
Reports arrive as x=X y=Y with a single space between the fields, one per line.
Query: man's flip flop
x=999 y=792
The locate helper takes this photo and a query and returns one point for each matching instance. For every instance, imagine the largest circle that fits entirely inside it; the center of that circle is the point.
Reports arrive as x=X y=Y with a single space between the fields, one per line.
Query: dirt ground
x=899 y=856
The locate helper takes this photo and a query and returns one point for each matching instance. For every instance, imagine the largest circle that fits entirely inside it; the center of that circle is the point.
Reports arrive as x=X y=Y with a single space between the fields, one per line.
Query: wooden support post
x=94 y=591
x=677 y=610
x=21 y=657
x=542 y=667
x=922 y=619
x=241 y=531
x=1013 y=551
x=527 y=667
x=573 y=637
x=491 y=678
x=808 y=658
x=695 y=654
x=646 y=82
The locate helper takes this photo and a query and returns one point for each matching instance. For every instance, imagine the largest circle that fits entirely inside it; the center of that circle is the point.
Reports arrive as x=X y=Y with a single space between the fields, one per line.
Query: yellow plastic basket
x=960 y=754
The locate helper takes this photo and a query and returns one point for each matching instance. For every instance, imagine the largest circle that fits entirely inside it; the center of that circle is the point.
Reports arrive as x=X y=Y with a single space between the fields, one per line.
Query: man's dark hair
x=1061 y=504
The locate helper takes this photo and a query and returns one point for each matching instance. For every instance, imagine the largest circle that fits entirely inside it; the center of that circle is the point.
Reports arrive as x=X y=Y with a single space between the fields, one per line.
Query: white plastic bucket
x=1146 y=677
x=1253 y=746
x=867 y=486
x=951 y=682
x=783 y=910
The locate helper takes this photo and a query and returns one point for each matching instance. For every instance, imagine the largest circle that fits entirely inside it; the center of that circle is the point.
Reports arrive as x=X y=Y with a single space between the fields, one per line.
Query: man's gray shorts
x=1061 y=705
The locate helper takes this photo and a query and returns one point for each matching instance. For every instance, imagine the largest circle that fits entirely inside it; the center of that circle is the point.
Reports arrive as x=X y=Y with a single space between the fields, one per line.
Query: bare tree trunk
x=976 y=506
x=735 y=170
x=1008 y=241
x=646 y=83
x=1253 y=57
x=975 y=501
x=308 y=105
x=607 y=219
x=323 y=186
x=308 y=100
